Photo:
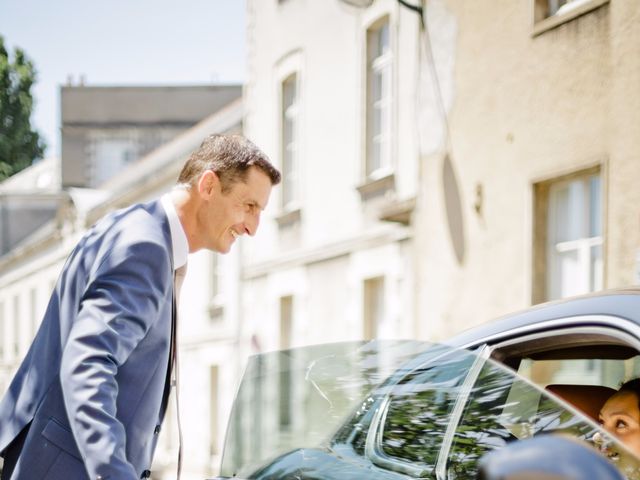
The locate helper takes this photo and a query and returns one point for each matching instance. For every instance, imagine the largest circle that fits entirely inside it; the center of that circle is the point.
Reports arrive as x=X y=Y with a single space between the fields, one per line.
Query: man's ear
x=208 y=184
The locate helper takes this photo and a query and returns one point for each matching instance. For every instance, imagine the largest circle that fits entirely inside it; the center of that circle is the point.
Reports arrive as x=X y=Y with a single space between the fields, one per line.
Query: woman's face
x=620 y=416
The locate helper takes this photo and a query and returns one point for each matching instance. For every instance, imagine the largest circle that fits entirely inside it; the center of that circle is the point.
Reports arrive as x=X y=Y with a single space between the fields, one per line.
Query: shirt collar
x=180 y=246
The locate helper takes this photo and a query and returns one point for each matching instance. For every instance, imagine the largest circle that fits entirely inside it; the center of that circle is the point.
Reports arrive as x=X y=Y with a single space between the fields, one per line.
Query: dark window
x=501 y=409
x=420 y=409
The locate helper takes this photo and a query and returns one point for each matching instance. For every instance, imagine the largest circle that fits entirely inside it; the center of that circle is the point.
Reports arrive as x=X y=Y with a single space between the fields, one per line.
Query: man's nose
x=251 y=224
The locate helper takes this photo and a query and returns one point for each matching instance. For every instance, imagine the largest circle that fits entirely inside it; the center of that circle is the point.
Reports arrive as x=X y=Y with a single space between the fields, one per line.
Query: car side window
x=502 y=408
x=419 y=411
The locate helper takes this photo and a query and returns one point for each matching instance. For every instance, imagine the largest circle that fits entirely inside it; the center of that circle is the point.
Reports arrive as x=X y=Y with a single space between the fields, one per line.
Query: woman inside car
x=620 y=415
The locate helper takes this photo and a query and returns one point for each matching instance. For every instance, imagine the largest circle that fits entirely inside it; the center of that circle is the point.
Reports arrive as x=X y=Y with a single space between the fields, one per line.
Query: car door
x=440 y=426
x=429 y=412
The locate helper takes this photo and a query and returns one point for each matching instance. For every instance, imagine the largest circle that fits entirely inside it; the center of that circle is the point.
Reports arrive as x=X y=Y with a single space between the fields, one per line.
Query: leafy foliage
x=19 y=143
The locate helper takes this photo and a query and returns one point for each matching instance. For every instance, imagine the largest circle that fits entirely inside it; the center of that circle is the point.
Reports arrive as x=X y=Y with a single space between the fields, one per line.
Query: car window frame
x=607 y=325
x=495 y=340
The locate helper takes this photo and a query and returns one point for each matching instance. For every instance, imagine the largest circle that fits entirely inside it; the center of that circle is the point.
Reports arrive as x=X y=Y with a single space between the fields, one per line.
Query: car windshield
x=406 y=407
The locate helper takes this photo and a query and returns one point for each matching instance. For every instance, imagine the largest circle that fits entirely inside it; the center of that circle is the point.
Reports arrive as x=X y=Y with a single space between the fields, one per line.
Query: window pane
x=16 y=326
x=213 y=410
x=596 y=270
x=289 y=150
x=214 y=286
x=383 y=39
x=3 y=334
x=561 y=208
x=385 y=80
x=288 y=184
x=376 y=88
x=570 y=275
x=595 y=207
x=286 y=386
x=373 y=307
x=374 y=157
x=419 y=412
x=379 y=98
x=502 y=408
x=377 y=121
x=33 y=306
x=575 y=237
x=287 y=130
x=289 y=92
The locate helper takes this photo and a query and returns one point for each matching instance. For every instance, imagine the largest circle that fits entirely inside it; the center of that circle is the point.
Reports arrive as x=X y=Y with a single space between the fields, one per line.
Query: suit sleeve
x=117 y=310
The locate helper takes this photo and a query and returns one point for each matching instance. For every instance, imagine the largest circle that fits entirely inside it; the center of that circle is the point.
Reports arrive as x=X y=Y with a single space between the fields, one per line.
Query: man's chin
x=222 y=250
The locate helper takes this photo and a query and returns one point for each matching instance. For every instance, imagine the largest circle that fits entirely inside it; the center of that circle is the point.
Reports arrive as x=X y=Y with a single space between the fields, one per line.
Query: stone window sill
x=373 y=188
x=288 y=218
x=558 y=19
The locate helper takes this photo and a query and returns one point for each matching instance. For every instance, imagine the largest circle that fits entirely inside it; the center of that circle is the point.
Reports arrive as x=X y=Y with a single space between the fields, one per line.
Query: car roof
x=622 y=303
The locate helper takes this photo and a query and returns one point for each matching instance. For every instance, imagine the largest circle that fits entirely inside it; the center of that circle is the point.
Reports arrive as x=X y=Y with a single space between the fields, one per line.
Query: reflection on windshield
x=350 y=408
x=298 y=398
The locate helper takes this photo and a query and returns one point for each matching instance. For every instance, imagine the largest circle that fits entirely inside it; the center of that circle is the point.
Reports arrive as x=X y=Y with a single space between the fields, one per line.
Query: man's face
x=228 y=215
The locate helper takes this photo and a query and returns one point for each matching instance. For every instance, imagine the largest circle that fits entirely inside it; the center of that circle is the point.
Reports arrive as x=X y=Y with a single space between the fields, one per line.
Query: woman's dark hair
x=632 y=385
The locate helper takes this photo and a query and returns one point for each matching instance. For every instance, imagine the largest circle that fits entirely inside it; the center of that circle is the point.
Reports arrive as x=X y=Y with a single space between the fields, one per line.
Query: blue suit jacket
x=92 y=383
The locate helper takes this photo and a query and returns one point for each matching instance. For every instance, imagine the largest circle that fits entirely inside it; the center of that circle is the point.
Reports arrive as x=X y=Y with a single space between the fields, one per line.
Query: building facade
x=104 y=129
x=330 y=98
x=532 y=198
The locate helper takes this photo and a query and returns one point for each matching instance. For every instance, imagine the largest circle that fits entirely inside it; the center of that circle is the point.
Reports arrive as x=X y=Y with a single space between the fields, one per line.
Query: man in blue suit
x=88 y=399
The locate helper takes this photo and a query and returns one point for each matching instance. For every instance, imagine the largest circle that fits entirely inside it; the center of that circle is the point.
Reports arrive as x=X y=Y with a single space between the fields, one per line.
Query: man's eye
x=620 y=424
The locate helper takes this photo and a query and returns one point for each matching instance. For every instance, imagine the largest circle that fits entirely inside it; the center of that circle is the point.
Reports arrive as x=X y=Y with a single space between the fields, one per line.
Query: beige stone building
x=534 y=197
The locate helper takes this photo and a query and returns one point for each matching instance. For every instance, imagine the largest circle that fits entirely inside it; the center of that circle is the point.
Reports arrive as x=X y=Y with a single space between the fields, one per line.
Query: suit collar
x=179 y=243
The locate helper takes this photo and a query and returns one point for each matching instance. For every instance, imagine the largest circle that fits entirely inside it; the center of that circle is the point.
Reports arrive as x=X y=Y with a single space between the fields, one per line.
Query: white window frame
x=548 y=14
x=122 y=147
x=286 y=386
x=373 y=306
x=290 y=170
x=589 y=268
x=17 y=330
x=216 y=291
x=3 y=333
x=214 y=414
x=379 y=65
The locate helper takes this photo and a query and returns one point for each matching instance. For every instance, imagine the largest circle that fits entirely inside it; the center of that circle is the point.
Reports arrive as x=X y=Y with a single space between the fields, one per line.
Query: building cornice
x=384 y=235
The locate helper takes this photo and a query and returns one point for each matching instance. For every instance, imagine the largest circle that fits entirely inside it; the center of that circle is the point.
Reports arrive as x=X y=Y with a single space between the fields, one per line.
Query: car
x=397 y=410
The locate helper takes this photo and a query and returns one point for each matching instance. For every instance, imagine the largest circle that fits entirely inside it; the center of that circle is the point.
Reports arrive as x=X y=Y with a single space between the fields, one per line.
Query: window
x=213 y=410
x=109 y=155
x=575 y=237
x=215 y=298
x=290 y=143
x=3 y=332
x=569 y=237
x=549 y=14
x=33 y=306
x=556 y=7
x=373 y=306
x=502 y=408
x=379 y=101
x=286 y=386
x=413 y=433
x=16 y=326
x=592 y=371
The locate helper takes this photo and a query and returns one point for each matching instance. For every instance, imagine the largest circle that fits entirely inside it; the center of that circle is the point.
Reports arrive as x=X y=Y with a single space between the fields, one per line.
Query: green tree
x=19 y=143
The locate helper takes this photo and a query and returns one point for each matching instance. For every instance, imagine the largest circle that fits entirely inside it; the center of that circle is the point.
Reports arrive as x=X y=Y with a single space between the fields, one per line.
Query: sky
x=122 y=42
